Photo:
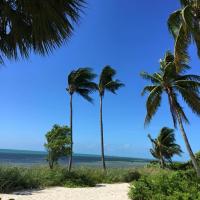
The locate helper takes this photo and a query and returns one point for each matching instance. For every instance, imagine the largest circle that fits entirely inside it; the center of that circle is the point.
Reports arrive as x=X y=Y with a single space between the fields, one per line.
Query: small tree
x=58 y=144
x=164 y=147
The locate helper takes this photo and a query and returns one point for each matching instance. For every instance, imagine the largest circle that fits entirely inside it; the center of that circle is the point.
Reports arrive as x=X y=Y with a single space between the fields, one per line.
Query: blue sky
x=131 y=36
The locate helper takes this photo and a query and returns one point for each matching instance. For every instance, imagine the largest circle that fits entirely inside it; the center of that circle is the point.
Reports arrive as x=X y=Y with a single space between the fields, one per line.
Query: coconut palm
x=183 y=24
x=168 y=81
x=36 y=25
x=106 y=83
x=80 y=82
x=164 y=146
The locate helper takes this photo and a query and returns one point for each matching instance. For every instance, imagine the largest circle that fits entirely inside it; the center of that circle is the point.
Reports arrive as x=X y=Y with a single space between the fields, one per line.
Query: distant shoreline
x=75 y=154
x=32 y=158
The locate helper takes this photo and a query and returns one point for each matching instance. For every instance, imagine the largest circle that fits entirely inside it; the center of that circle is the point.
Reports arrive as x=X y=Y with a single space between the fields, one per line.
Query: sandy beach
x=100 y=192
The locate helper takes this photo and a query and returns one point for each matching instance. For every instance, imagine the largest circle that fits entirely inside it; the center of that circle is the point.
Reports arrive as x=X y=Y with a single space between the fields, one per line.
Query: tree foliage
x=168 y=81
x=58 y=143
x=164 y=147
x=183 y=24
x=107 y=82
x=80 y=81
x=38 y=25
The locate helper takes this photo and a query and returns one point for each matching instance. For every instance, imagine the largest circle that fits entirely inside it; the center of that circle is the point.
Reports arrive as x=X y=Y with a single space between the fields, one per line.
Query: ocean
x=32 y=158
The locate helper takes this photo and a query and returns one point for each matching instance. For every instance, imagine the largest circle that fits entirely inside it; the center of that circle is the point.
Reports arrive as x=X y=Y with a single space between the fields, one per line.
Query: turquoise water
x=30 y=158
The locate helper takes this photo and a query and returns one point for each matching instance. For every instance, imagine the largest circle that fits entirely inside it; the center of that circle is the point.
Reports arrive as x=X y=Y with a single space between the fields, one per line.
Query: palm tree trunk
x=192 y=157
x=71 y=129
x=102 y=136
x=189 y=149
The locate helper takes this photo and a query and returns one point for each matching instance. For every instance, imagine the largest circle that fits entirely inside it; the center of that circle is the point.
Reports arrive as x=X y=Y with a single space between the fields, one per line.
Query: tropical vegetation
x=20 y=178
x=38 y=26
x=42 y=26
x=58 y=144
x=106 y=83
x=168 y=81
x=167 y=185
x=164 y=146
x=183 y=24
x=80 y=81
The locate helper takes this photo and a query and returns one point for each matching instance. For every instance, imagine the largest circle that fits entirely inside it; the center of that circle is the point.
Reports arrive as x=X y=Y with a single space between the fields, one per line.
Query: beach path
x=100 y=192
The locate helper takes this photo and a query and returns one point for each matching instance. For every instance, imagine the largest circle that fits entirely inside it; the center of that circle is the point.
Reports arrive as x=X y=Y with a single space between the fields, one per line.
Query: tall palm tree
x=80 y=82
x=168 y=81
x=164 y=146
x=183 y=24
x=39 y=25
x=106 y=82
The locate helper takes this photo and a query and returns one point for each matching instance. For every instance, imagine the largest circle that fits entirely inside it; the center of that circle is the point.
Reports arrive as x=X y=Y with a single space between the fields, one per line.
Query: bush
x=166 y=186
x=180 y=166
x=18 y=178
x=111 y=175
x=131 y=176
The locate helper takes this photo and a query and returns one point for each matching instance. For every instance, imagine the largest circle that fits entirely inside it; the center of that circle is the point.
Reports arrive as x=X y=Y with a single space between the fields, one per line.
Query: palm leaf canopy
x=38 y=25
x=164 y=145
x=80 y=82
x=106 y=81
x=168 y=81
x=183 y=24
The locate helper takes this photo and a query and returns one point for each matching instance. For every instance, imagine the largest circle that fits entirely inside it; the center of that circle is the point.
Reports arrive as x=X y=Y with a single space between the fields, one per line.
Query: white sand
x=100 y=192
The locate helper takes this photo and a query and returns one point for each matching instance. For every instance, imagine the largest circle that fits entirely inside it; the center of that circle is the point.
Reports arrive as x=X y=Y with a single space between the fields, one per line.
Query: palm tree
x=106 y=82
x=37 y=25
x=183 y=24
x=164 y=146
x=169 y=81
x=80 y=82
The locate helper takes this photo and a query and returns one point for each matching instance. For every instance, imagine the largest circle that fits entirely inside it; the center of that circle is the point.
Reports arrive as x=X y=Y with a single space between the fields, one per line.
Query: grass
x=19 y=178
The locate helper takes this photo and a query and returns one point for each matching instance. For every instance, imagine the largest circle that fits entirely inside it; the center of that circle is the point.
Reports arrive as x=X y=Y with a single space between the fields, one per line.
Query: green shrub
x=179 y=166
x=111 y=176
x=18 y=178
x=166 y=186
x=131 y=176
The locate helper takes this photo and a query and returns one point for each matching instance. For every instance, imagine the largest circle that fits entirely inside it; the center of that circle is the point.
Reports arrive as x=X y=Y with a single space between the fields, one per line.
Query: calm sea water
x=30 y=158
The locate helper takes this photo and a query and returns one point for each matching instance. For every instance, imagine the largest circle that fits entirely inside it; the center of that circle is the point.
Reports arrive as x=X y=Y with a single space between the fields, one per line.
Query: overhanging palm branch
x=39 y=25
x=183 y=24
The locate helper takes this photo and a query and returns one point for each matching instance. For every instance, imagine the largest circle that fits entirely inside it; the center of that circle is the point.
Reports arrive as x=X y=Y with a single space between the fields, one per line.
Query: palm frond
x=106 y=81
x=184 y=2
x=106 y=75
x=148 y=88
x=189 y=85
x=153 y=103
x=112 y=86
x=38 y=26
x=150 y=77
x=81 y=82
x=181 y=48
x=178 y=110
x=174 y=23
x=191 y=77
x=191 y=98
x=85 y=94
